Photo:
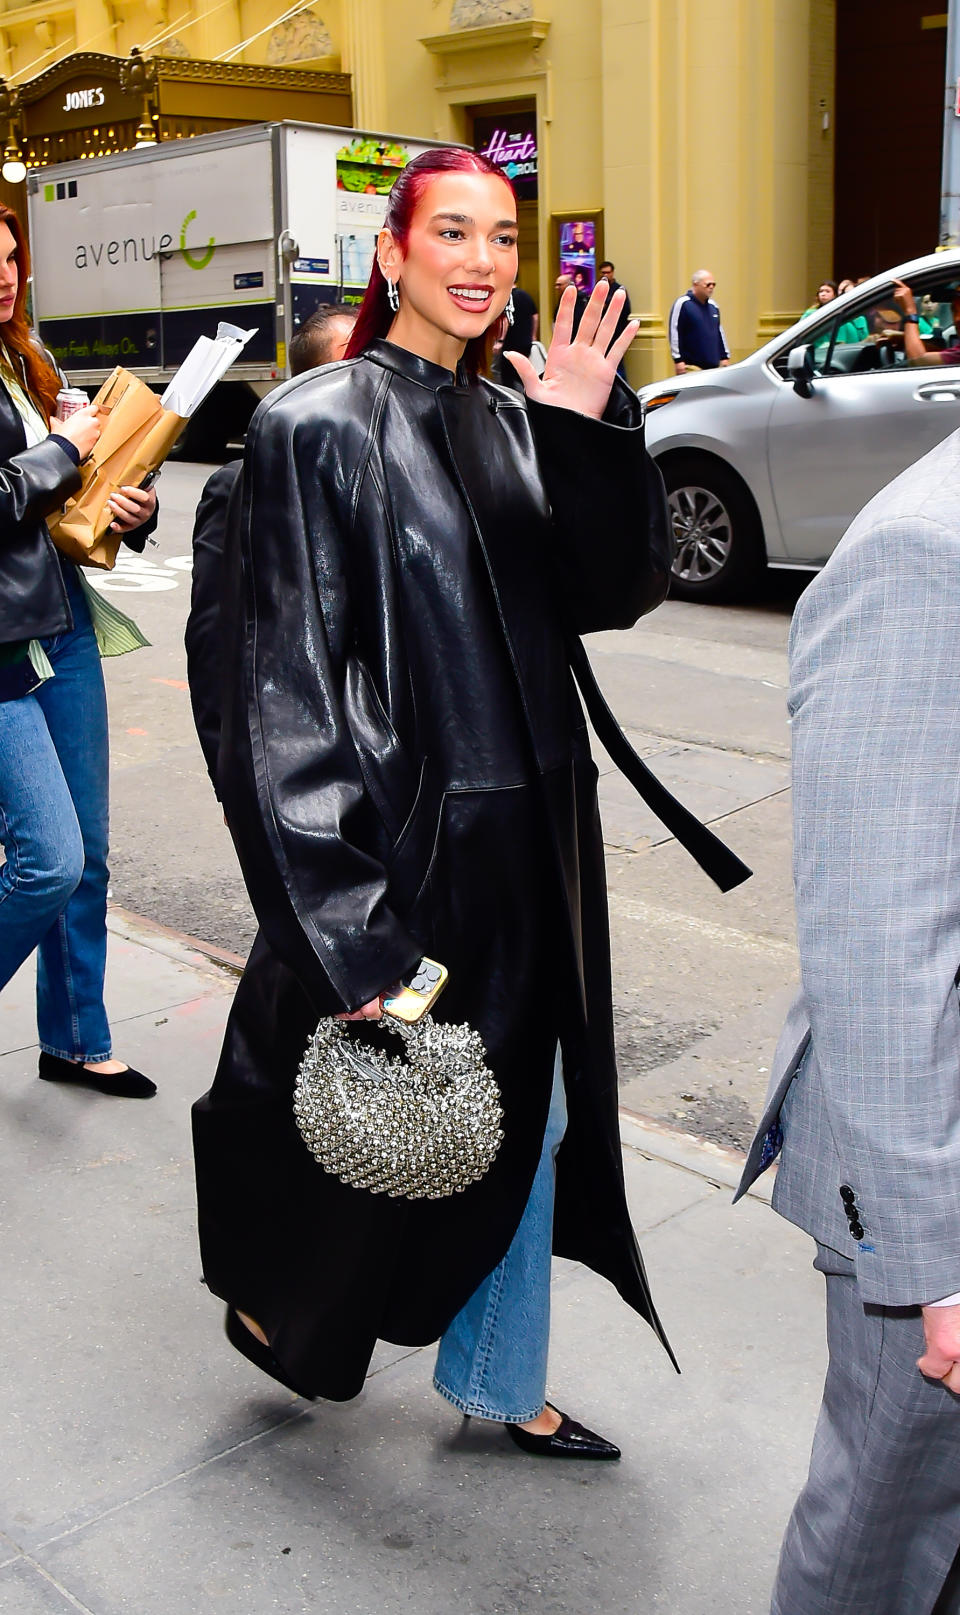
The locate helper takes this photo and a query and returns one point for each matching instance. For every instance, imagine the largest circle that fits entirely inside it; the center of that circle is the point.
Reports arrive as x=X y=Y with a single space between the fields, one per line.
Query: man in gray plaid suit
x=865 y=1090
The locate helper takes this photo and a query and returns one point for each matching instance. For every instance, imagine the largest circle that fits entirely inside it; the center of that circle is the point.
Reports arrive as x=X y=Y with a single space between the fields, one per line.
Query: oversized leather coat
x=405 y=769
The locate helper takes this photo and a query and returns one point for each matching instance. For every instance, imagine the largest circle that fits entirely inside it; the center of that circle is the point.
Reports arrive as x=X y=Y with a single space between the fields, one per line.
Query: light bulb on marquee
x=14 y=169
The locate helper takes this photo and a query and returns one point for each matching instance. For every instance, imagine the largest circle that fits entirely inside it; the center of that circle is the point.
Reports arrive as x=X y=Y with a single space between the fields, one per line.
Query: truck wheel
x=716 y=529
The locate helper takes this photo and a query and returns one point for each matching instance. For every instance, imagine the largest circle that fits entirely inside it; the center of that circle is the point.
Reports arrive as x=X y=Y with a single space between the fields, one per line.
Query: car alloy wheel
x=702 y=531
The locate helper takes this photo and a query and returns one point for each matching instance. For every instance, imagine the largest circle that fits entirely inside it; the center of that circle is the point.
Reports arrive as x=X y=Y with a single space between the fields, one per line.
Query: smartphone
x=150 y=479
x=418 y=991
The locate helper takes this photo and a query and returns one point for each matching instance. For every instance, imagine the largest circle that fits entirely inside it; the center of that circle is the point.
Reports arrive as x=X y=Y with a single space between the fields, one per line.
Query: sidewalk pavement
x=147 y=1468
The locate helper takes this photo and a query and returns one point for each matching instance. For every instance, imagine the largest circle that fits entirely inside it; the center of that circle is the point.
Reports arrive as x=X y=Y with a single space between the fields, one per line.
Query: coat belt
x=713 y=856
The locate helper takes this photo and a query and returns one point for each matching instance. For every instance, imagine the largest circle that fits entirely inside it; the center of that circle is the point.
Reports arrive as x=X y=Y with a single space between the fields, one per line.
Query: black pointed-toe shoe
x=129 y=1084
x=257 y=1353
x=569 y=1440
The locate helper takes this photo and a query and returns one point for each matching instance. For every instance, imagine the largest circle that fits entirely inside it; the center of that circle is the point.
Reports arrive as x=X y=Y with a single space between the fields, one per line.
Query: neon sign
x=513 y=149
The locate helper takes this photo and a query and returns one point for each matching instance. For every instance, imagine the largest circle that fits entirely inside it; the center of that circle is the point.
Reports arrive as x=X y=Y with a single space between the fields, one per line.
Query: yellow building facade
x=687 y=134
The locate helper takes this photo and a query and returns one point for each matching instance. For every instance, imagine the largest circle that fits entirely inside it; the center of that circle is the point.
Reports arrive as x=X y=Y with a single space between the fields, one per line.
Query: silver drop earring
x=393 y=296
x=509 y=312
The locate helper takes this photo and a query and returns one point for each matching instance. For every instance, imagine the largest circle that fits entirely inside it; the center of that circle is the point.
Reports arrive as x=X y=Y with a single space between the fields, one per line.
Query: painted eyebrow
x=464 y=218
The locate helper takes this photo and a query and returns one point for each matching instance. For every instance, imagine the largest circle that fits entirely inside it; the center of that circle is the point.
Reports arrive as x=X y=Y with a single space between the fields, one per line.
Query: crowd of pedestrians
x=383 y=646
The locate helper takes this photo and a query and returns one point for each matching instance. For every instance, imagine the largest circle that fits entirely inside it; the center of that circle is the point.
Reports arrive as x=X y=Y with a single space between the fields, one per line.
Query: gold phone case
x=414 y=997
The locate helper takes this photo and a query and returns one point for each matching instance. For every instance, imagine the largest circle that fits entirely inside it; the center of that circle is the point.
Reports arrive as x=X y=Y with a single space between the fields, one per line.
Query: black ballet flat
x=129 y=1084
x=569 y=1440
x=257 y=1353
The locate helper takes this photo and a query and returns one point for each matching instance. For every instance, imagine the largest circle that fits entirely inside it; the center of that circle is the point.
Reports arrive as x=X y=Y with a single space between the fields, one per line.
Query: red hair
x=376 y=316
x=16 y=337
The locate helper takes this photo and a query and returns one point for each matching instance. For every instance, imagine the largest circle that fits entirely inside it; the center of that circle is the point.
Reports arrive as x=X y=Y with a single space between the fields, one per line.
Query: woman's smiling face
x=459 y=267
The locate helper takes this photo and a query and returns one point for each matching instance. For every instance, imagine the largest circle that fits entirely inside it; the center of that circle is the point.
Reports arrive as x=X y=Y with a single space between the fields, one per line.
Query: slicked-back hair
x=376 y=316
x=310 y=346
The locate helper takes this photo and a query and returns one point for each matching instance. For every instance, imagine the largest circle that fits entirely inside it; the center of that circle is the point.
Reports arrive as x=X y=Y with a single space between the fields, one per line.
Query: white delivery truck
x=138 y=254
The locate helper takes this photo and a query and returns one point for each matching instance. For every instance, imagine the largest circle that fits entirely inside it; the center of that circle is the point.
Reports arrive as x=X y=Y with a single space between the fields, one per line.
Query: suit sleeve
x=33 y=484
x=876 y=741
x=288 y=770
x=202 y=635
x=609 y=508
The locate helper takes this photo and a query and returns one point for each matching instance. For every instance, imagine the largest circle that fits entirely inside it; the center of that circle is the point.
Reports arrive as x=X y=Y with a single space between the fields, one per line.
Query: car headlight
x=658 y=400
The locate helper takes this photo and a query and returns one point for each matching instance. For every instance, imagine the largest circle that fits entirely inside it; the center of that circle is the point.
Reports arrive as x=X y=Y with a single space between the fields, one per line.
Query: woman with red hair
x=406 y=771
x=53 y=717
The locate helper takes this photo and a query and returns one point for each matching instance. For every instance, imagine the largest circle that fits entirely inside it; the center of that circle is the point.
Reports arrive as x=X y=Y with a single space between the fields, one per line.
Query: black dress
x=405 y=769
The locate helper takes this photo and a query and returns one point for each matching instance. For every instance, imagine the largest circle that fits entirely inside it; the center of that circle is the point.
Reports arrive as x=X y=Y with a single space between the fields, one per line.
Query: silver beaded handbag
x=422 y=1128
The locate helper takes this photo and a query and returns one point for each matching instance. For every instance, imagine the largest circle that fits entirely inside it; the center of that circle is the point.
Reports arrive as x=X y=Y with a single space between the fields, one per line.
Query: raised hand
x=580 y=370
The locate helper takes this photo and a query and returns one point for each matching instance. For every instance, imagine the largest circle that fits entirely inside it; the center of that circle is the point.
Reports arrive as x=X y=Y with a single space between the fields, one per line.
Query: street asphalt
x=150 y=1470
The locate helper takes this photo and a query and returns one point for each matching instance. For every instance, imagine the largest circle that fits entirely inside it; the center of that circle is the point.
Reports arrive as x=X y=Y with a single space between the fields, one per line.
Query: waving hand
x=580 y=369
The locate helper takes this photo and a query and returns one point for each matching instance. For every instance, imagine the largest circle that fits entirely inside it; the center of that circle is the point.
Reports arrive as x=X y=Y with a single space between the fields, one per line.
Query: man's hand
x=913 y=345
x=724 y=363
x=679 y=367
x=941 y=1360
x=904 y=296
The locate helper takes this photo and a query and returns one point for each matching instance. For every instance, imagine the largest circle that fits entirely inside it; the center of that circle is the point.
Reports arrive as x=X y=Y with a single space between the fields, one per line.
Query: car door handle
x=938 y=392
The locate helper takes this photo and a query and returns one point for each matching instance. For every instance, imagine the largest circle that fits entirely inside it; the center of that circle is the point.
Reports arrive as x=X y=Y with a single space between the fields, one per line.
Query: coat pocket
x=415 y=852
x=388 y=775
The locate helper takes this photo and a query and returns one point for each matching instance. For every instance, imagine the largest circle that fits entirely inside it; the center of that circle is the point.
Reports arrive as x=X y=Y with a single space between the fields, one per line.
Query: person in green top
x=53 y=720
x=826 y=292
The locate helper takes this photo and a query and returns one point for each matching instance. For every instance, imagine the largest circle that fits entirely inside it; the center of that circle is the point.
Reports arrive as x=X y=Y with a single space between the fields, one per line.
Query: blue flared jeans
x=54 y=827
x=492 y=1361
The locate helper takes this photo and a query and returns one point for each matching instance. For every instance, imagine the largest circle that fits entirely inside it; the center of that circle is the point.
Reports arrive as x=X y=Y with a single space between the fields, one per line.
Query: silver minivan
x=767 y=462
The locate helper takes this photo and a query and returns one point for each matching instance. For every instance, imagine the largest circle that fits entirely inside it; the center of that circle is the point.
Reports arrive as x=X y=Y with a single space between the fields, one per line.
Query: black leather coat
x=405 y=769
x=33 y=483
x=201 y=637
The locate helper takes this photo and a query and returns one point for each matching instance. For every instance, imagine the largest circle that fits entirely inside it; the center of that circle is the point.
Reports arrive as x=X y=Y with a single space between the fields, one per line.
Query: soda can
x=69 y=400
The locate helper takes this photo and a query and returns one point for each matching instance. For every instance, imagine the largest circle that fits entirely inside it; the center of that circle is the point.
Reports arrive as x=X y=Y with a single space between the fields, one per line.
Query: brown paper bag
x=136 y=438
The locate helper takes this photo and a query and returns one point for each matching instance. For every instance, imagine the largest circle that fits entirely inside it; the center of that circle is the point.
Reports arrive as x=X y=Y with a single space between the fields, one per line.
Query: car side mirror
x=801 y=371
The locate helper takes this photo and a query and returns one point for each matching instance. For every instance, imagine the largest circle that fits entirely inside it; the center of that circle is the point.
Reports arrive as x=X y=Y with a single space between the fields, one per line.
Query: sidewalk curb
x=721 y=1167
x=178 y=945
x=655 y=1140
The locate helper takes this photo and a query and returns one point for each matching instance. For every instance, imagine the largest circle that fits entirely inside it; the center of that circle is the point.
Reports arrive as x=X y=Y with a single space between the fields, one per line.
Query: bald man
x=697 y=341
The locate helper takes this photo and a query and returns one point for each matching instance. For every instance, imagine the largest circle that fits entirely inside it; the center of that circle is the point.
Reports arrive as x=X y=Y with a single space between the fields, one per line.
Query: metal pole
x=950 y=179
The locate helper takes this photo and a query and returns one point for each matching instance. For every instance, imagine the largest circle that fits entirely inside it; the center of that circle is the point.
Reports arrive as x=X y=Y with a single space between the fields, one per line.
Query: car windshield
x=868 y=334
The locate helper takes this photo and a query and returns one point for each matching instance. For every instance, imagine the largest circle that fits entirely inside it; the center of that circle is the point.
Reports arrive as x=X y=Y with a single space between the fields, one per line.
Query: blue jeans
x=492 y=1361
x=54 y=760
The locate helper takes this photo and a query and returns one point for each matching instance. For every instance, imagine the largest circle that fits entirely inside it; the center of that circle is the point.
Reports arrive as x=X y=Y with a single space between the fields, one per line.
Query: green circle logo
x=195 y=261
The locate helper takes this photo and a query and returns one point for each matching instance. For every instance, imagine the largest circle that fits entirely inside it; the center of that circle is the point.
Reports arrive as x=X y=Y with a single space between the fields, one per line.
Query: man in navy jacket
x=696 y=336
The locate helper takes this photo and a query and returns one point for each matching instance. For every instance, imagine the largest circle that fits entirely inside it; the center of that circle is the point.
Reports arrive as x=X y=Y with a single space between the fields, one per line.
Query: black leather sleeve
x=202 y=637
x=32 y=484
x=136 y=540
x=288 y=770
x=609 y=512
